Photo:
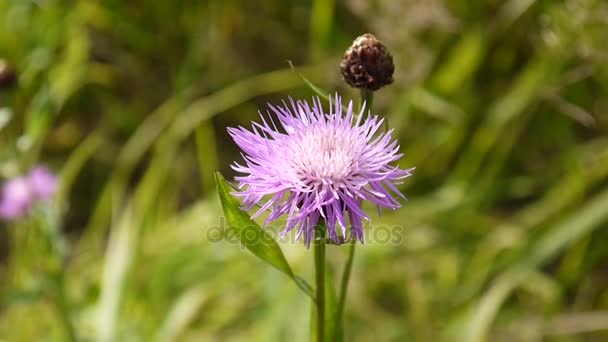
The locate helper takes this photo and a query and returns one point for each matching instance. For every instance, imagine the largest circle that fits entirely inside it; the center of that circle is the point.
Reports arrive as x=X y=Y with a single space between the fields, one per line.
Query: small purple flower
x=43 y=183
x=19 y=194
x=15 y=198
x=318 y=166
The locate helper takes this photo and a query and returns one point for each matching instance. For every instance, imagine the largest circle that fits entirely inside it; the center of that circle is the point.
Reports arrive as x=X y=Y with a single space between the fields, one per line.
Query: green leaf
x=322 y=93
x=253 y=237
x=316 y=89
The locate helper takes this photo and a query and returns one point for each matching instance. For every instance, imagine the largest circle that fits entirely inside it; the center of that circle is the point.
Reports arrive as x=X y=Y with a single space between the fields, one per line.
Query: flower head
x=15 y=198
x=43 y=183
x=367 y=64
x=19 y=194
x=315 y=165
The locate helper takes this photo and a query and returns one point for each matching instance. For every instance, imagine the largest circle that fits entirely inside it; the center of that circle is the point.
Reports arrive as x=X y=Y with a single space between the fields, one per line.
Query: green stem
x=63 y=306
x=367 y=97
x=343 y=290
x=319 y=250
x=57 y=273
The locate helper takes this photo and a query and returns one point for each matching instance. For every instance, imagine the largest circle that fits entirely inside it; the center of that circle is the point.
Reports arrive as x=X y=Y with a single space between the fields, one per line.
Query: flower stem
x=319 y=250
x=367 y=97
x=343 y=290
x=53 y=233
x=63 y=307
x=50 y=229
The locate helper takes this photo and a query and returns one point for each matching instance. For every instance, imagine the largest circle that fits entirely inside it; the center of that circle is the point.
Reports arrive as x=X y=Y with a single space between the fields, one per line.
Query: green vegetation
x=501 y=106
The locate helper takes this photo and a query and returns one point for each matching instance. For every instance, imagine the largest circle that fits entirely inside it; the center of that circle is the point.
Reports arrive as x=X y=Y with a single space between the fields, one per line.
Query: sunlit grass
x=500 y=106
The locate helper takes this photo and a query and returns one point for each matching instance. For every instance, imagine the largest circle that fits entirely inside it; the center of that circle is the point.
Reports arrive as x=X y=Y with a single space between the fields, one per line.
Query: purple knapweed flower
x=43 y=183
x=318 y=166
x=15 y=198
x=19 y=194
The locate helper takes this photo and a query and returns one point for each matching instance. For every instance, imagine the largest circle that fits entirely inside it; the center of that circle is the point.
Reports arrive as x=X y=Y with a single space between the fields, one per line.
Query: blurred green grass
x=501 y=106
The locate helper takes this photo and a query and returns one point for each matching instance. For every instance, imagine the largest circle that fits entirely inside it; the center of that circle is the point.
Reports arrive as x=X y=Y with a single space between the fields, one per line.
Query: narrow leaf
x=316 y=89
x=253 y=237
x=322 y=93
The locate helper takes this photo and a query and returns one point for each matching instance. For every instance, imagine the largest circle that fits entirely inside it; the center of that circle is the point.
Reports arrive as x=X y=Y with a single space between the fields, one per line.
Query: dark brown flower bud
x=367 y=64
x=8 y=77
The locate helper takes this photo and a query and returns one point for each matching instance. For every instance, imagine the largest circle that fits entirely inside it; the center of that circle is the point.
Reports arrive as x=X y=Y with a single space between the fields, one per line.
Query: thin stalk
x=344 y=289
x=319 y=250
x=57 y=244
x=367 y=97
x=63 y=307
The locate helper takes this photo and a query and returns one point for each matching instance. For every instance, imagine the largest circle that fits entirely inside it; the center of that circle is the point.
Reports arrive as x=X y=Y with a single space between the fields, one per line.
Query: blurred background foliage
x=501 y=106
